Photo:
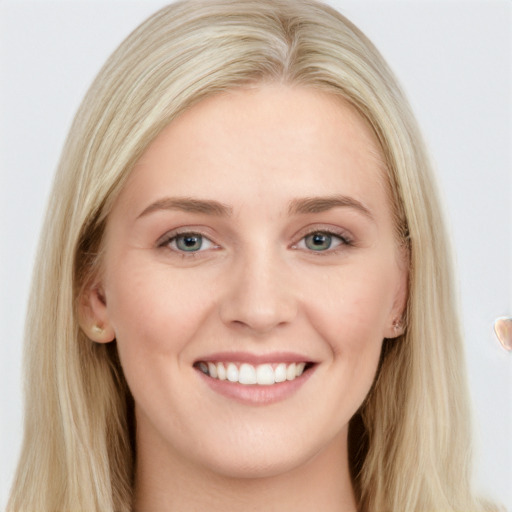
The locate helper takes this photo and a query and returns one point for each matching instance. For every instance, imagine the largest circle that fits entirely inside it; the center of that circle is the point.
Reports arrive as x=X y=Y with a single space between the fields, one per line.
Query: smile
x=247 y=374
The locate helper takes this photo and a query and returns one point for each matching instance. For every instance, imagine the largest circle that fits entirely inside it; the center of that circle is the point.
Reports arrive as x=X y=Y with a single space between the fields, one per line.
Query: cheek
x=153 y=310
x=352 y=320
x=156 y=315
x=356 y=311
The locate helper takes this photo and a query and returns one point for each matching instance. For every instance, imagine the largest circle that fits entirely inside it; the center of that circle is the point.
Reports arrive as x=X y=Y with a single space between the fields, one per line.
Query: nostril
x=258 y=300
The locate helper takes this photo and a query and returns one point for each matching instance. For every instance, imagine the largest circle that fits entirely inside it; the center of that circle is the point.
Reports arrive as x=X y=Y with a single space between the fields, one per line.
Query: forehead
x=299 y=139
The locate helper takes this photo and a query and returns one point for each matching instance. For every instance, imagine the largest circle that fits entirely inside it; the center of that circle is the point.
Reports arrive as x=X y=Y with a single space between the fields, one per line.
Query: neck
x=165 y=482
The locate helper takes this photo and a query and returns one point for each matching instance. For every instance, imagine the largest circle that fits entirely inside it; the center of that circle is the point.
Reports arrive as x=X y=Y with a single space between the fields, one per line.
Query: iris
x=189 y=242
x=318 y=241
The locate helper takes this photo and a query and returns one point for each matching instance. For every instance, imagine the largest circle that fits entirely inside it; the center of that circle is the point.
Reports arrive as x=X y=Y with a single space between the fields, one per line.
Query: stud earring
x=397 y=326
x=96 y=329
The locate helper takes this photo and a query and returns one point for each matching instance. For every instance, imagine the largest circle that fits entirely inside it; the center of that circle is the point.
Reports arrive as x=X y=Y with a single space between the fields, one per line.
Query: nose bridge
x=259 y=296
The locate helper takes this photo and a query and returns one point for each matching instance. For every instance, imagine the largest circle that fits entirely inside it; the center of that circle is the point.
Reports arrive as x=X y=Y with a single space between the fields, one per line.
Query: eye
x=188 y=242
x=321 y=241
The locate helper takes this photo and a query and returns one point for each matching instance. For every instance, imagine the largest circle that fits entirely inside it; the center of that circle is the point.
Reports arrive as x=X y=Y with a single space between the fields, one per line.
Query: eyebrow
x=188 y=204
x=296 y=206
x=322 y=204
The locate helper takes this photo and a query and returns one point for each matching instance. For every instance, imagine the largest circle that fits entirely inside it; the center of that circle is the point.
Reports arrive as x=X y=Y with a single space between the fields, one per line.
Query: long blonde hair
x=410 y=442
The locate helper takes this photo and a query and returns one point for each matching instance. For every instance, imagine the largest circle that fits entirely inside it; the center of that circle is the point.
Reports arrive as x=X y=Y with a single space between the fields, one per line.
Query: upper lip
x=255 y=359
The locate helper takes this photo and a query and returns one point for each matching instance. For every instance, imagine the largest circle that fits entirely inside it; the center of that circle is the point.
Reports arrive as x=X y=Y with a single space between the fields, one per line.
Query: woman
x=222 y=150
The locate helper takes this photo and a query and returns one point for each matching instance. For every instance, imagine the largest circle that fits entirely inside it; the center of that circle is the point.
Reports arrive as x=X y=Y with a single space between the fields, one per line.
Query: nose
x=260 y=296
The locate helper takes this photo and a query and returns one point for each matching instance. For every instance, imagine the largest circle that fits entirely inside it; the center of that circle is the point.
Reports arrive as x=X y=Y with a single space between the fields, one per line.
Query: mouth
x=266 y=374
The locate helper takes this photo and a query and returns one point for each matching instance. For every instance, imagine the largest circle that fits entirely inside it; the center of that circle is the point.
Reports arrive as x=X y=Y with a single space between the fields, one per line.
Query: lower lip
x=255 y=394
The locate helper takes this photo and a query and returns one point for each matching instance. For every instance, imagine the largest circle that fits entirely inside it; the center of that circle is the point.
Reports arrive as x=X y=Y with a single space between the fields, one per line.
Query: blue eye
x=189 y=242
x=321 y=241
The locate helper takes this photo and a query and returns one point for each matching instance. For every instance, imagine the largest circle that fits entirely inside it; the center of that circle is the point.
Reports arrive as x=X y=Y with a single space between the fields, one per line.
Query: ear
x=93 y=315
x=397 y=321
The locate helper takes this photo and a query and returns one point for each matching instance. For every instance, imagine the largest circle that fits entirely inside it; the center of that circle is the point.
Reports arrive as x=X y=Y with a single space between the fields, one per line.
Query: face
x=250 y=275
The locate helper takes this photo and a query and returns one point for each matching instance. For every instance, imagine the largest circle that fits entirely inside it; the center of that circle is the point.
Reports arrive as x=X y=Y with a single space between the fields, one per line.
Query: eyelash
x=170 y=238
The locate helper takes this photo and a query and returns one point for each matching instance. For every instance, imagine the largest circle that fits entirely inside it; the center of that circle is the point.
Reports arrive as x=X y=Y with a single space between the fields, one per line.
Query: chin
x=255 y=466
x=257 y=454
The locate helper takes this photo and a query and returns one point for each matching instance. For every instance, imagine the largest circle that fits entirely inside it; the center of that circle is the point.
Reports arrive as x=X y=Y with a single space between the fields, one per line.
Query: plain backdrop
x=454 y=61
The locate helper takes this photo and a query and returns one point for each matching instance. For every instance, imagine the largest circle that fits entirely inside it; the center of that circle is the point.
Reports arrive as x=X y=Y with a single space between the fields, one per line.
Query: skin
x=255 y=287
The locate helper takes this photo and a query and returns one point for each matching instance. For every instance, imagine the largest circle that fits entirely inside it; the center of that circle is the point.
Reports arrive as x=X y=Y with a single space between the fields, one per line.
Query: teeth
x=291 y=371
x=221 y=372
x=280 y=372
x=212 y=369
x=232 y=373
x=265 y=375
x=247 y=374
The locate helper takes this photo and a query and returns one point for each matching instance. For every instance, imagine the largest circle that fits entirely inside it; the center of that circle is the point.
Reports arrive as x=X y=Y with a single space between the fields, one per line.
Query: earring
x=100 y=334
x=97 y=330
x=397 y=326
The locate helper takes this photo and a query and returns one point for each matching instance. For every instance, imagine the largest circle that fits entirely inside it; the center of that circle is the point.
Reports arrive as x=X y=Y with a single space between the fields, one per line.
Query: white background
x=454 y=61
